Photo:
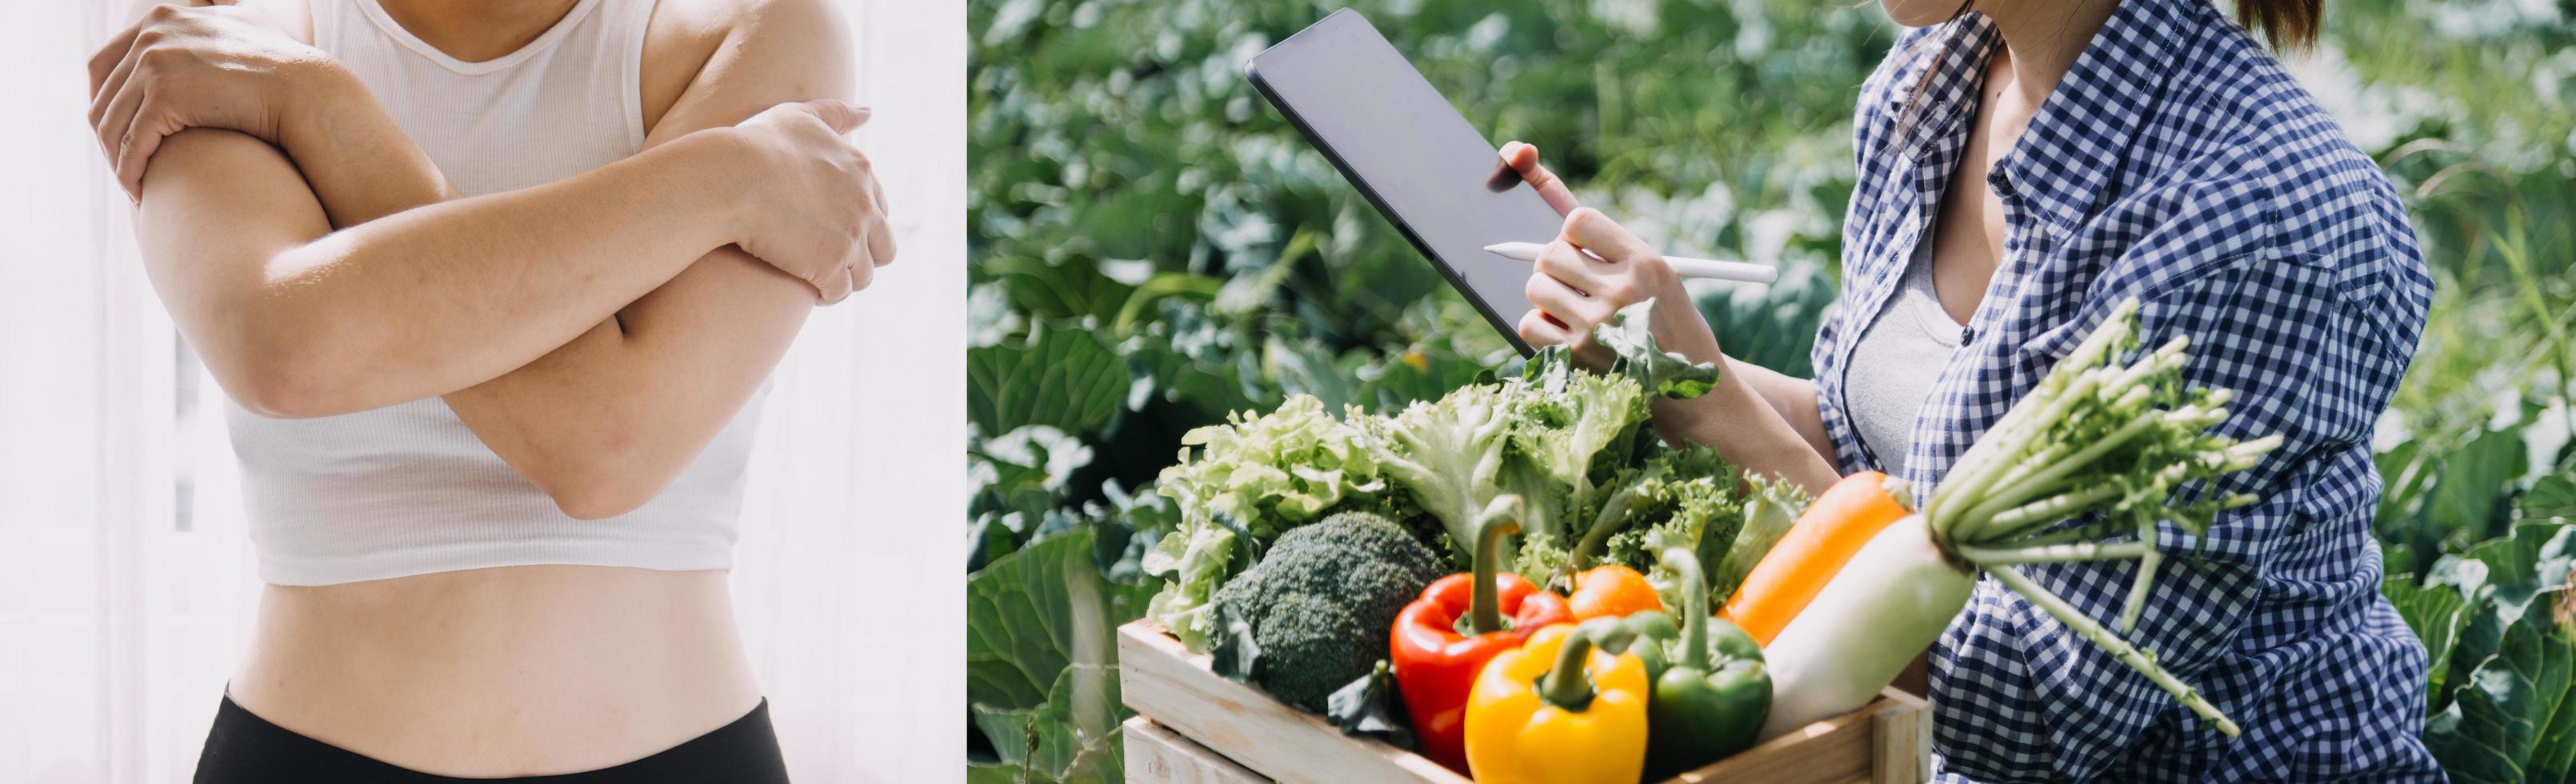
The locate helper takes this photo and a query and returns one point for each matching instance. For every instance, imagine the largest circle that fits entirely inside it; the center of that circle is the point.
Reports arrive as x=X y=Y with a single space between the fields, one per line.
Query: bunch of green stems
x=2084 y=468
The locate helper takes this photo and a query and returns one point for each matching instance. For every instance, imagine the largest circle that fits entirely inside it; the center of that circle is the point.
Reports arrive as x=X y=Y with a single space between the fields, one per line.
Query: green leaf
x=1064 y=378
x=2436 y=614
x=1370 y=707
x=1074 y=737
x=1034 y=612
x=2506 y=724
x=2476 y=480
x=2552 y=499
x=1630 y=337
x=1035 y=456
x=996 y=773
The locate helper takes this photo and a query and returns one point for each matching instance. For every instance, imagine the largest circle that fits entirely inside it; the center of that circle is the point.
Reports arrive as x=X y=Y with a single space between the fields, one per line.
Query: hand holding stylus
x=1596 y=267
x=1522 y=157
x=1685 y=266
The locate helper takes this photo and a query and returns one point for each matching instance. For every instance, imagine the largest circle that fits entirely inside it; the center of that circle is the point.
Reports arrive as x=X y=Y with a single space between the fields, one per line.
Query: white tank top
x=408 y=489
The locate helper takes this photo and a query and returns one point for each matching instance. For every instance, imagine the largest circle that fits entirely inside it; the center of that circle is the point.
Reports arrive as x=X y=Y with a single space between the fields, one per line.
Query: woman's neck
x=477 y=30
x=2042 y=38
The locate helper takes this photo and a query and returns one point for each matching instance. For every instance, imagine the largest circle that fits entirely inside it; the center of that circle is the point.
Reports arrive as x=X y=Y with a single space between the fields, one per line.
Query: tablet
x=1398 y=140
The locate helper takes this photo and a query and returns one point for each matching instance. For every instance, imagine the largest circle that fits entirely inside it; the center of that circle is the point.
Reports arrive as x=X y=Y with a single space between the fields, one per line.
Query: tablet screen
x=1392 y=134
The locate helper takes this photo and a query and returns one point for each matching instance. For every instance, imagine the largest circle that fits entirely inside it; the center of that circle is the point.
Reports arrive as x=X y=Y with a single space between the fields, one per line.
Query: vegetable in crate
x=1826 y=536
x=1568 y=707
x=2097 y=442
x=1319 y=606
x=1612 y=591
x=1711 y=690
x=1461 y=622
x=1251 y=479
x=1550 y=436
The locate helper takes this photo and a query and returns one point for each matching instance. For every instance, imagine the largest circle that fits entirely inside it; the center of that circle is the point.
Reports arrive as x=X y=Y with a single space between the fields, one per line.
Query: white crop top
x=408 y=489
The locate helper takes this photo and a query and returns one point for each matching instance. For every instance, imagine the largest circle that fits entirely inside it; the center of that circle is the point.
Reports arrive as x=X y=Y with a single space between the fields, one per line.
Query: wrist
x=723 y=161
x=1715 y=418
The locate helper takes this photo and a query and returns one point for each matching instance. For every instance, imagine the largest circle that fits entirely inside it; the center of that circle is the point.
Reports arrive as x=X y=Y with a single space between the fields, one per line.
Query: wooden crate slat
x=1196 y=723
x=1159 y=678
x=1160 y=755
x=1901 y=738
x=1835 y=750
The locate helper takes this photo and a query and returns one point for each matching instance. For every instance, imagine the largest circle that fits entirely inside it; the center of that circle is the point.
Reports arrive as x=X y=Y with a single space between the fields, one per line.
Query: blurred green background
x=1153 y=247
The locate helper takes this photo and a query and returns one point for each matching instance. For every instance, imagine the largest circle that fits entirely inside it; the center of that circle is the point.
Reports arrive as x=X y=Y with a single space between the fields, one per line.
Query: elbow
x=282 y=368
x=599 y=500
x=279 y=385
x=601 y=483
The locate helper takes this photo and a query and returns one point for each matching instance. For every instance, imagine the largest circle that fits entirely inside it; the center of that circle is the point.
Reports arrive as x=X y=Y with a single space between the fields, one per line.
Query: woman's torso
x=2178 y=164
x=486 y=634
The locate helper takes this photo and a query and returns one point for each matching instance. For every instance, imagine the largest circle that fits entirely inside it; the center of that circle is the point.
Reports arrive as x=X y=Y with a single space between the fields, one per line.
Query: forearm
x=445 y=296
x=1741 y=424
x=608 y=419
x=1793 y=398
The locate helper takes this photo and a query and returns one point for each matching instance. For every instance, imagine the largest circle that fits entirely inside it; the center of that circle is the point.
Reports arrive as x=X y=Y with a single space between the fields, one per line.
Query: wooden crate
x=1197 y=726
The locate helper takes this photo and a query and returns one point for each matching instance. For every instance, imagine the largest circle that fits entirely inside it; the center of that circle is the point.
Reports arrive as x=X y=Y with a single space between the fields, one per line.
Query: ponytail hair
x=2288 y=24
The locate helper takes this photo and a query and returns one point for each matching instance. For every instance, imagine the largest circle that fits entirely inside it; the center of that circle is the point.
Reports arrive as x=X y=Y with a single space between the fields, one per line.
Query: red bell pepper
x=1462 y=621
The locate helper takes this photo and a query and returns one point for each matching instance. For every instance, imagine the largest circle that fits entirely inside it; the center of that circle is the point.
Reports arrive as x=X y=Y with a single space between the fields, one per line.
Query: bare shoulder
x=729 y=59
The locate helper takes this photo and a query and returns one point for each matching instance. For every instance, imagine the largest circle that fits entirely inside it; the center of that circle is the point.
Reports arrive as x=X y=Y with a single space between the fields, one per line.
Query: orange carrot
x=1817 y=546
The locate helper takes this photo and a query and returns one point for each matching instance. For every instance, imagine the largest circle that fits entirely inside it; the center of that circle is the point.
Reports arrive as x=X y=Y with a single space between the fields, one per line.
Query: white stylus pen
x=1745 y=272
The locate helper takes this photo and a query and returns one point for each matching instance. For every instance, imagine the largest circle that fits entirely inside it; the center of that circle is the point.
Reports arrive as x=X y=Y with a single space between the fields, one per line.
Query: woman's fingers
x=842 y=116
x=1565 y=262
x=104 y=91
x=134 y=154
x=861 y=272
x=1590 y=230
x=1523 y=158
x=1538 y=330
x=834 y=287
x=124 y=135
x=1570 y=307
x=880 y=241
x=112 y=54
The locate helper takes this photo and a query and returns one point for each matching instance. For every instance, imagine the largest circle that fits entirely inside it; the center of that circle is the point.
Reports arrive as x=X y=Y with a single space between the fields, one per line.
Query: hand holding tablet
x=1433 y=175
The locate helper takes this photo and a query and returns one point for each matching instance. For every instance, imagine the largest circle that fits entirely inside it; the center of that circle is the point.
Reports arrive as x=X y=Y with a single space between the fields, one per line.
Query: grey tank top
x=1894 y=364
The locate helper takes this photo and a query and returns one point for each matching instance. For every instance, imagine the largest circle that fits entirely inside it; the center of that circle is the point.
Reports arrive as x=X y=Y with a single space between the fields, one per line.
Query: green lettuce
x=1241 y=484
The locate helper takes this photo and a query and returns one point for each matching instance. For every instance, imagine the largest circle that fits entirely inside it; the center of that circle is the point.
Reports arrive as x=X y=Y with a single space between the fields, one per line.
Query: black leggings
x=243 y=748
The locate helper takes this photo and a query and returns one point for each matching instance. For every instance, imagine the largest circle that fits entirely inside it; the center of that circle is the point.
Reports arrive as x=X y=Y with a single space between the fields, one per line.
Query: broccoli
x=1320 y=606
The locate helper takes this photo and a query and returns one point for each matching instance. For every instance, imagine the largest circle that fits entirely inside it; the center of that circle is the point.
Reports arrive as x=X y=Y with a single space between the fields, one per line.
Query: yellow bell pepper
x=1560 y=709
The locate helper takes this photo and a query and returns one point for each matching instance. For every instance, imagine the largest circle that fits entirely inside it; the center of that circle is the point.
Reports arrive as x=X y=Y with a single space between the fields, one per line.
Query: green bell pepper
x=1711 y=689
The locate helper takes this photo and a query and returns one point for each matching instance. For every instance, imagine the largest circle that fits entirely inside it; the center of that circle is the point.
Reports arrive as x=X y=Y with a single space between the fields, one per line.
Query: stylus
x=1745 y=272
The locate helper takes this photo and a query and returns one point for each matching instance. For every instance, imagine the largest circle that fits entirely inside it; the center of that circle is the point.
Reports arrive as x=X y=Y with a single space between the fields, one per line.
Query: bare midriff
x=512 y=671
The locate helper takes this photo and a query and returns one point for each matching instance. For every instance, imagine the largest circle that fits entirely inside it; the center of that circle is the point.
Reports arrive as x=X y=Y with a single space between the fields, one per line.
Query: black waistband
x=244 y=748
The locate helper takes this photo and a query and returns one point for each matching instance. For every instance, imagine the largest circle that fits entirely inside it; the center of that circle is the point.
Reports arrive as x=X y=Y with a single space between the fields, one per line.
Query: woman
x=496 y=285
x=2024 y=166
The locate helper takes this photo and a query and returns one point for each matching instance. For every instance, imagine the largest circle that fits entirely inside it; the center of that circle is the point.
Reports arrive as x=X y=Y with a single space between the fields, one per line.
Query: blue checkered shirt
x=2177 y=163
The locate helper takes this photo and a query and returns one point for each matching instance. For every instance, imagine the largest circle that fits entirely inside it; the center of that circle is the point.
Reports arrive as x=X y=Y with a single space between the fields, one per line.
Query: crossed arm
x=595 y=332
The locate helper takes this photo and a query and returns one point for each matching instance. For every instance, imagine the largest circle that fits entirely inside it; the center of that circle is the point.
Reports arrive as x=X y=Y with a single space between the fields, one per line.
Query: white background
x=126 y=586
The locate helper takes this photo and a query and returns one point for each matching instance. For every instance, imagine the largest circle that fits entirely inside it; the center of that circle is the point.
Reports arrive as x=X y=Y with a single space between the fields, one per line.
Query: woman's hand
x=1523 y=157
x=820 y=214
x=1594 y=268
x=182 y=67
